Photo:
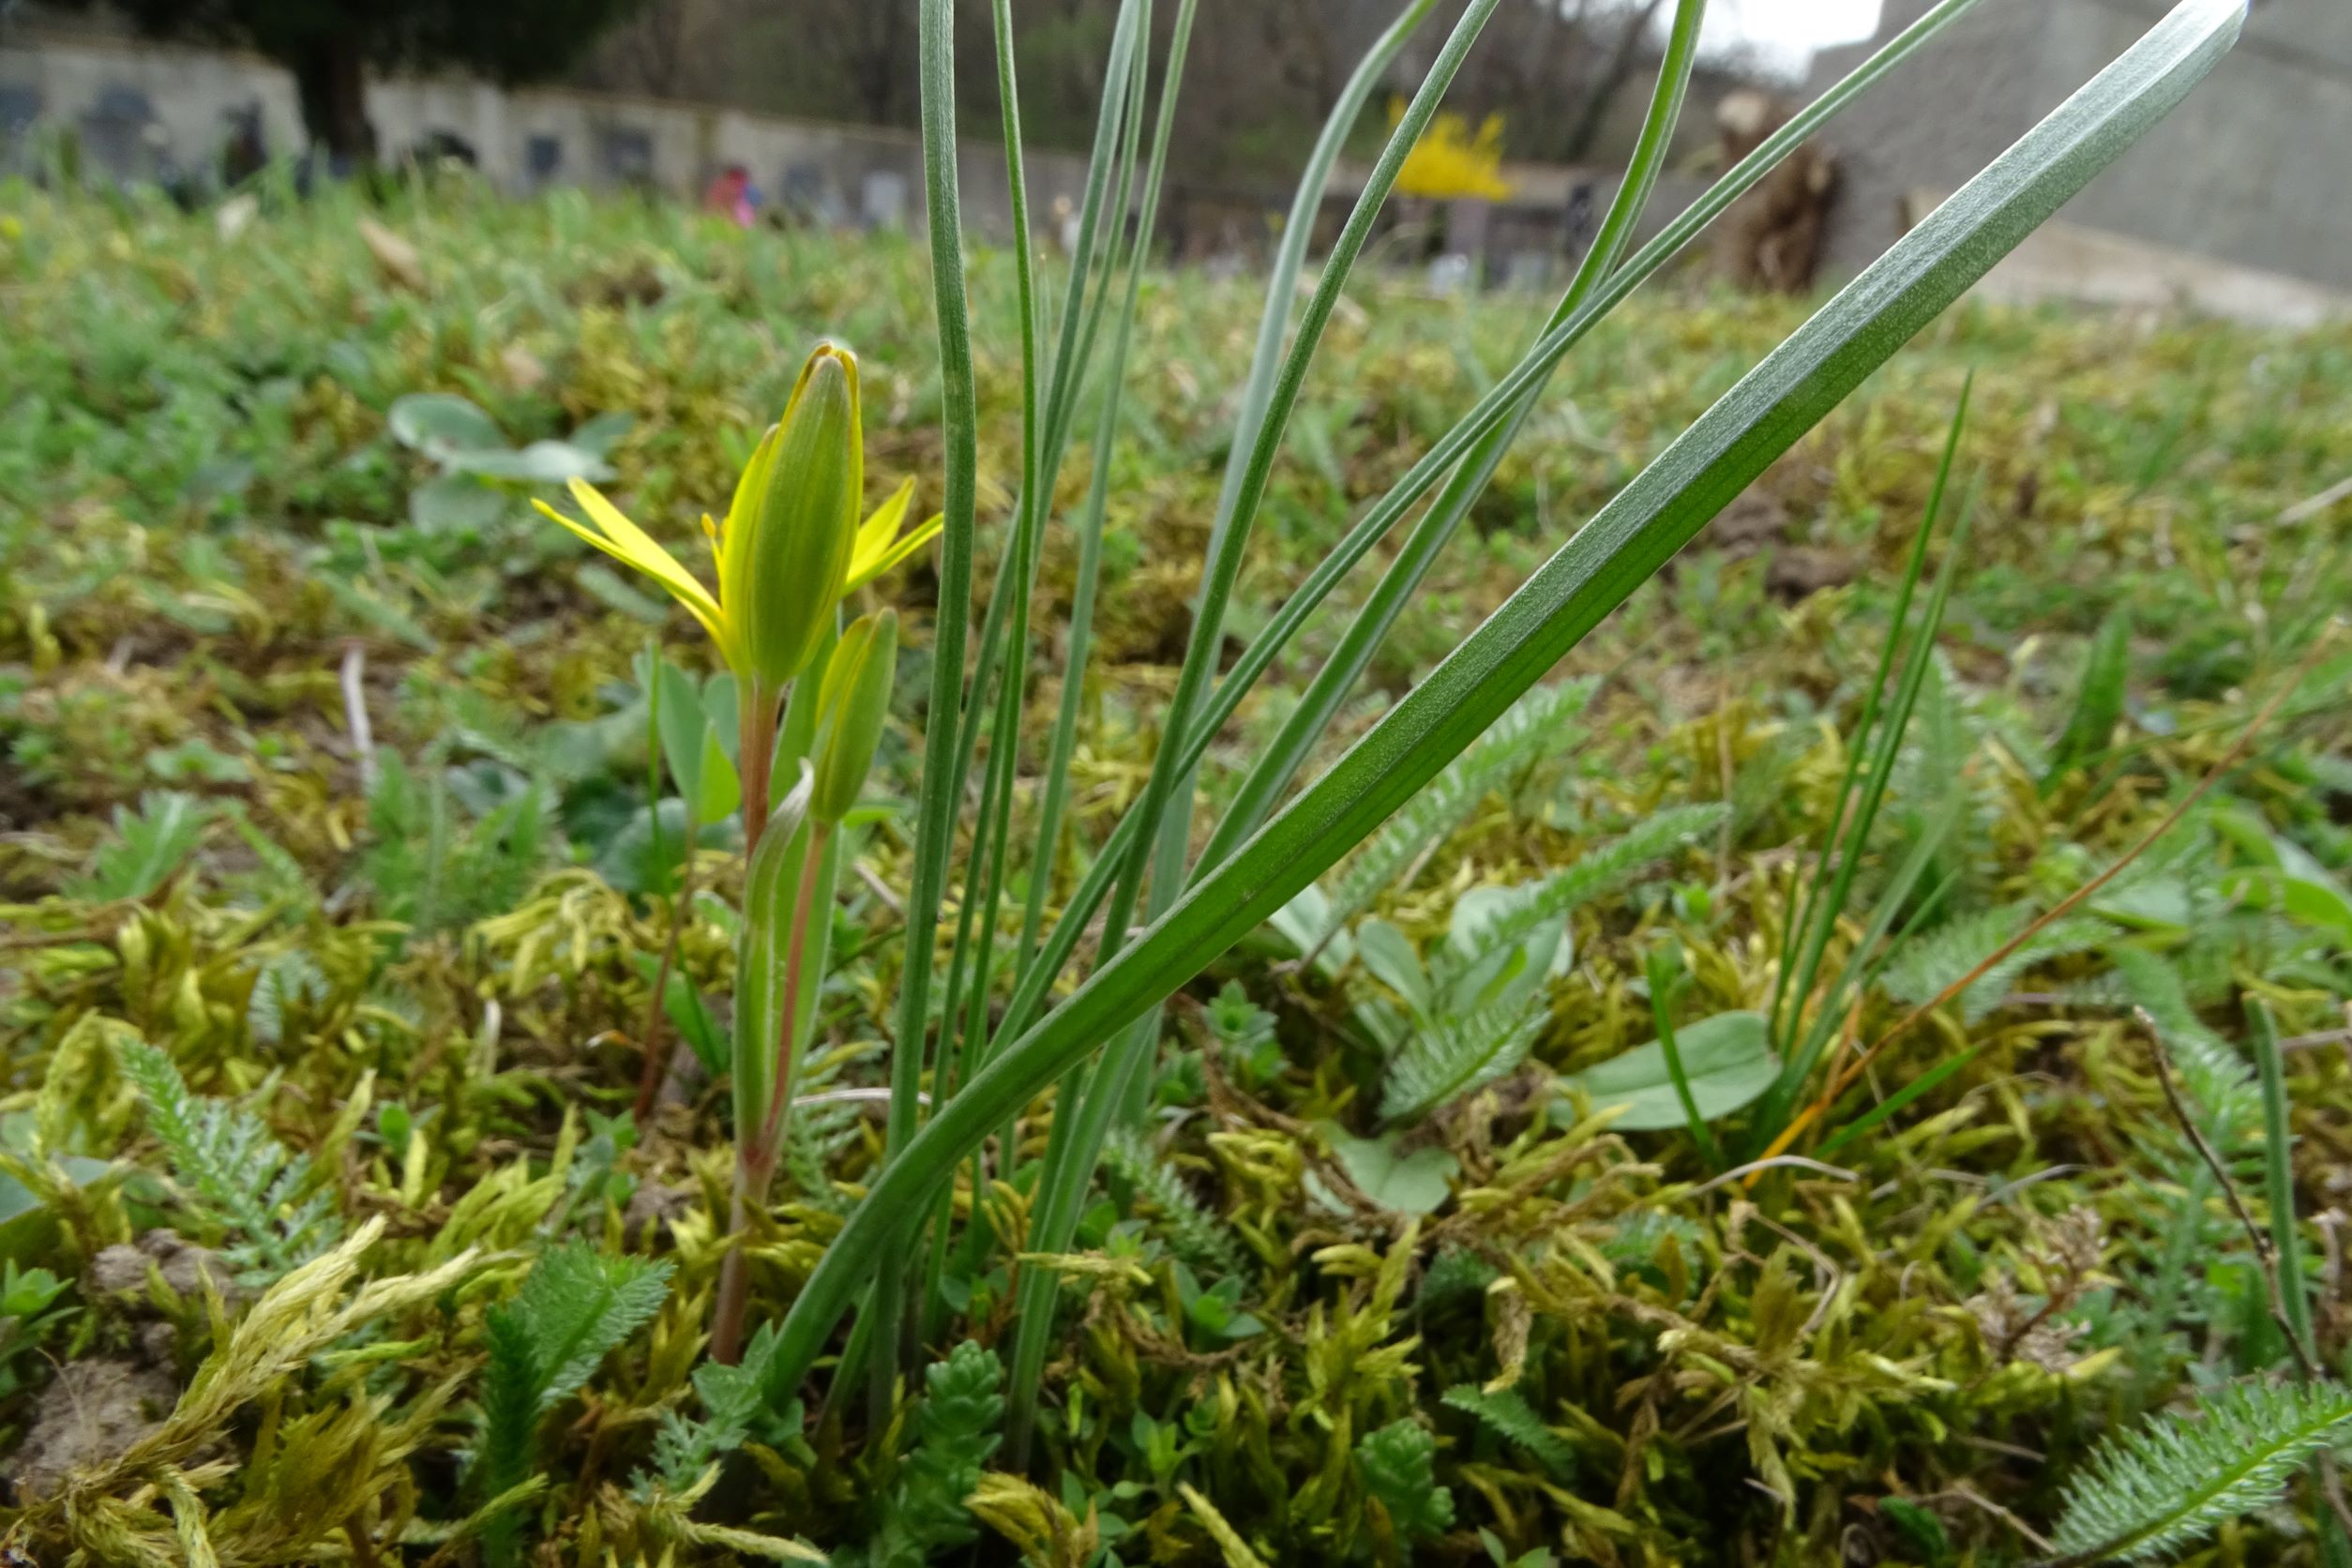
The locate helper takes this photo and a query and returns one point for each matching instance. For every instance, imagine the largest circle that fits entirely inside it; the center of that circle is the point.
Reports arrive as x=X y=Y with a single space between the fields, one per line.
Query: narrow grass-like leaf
x=1623 y=545
x=2278 y=1167
x=1798 y=934
x=935 y=821
x=1870 y=1120
x=1075 y=1142
x=2098 y=701
x=1369 y=623
x=1473 y=427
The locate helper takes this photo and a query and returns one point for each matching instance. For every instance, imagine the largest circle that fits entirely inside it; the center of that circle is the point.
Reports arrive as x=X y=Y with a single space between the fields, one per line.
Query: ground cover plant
x=1846 y=1060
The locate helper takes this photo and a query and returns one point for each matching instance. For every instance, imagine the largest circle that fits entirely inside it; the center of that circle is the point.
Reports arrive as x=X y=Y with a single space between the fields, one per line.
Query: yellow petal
x=631 y=546
x=639 y=547
x=875 y=534
x=862 y=571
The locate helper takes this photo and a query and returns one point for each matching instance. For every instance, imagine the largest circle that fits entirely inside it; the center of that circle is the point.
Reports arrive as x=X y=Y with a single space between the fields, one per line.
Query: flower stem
x=756 y=754
x=756 y=1155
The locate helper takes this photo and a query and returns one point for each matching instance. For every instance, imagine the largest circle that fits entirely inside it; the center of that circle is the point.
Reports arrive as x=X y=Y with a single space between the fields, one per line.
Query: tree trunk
x=1621 y=66
x=331 y=81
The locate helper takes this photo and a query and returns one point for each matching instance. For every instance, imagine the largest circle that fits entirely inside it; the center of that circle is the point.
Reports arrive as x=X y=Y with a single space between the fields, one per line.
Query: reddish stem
x=755 y=1162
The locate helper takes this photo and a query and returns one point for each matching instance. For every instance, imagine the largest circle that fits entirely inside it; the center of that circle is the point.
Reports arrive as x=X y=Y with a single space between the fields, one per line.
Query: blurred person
x=733 y=195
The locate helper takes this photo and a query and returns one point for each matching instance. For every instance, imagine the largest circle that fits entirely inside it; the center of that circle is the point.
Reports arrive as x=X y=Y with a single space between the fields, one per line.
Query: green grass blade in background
x=1626 y=542
x=1075 y=1144
x=1369 y=623
x=1004 y=634
x=1797 y=931
x=935 y=820
x=1298 y=606
x=1089 y=526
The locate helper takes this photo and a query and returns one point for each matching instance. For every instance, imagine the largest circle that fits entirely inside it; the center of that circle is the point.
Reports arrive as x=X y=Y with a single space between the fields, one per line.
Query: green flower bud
x=786 y=551
x=851 y=706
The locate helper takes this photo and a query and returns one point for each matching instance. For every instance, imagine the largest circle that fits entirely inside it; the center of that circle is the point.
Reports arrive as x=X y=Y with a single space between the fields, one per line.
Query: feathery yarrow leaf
x=1532 y=727
x=1197 y=1236
x=1508 y=1415
x=1399 y=1466
x=1445 y=1061
x=232 y=1170
x=1602 y=869
x=575 y=1306
x=2163 y=1486
x=1927 y=963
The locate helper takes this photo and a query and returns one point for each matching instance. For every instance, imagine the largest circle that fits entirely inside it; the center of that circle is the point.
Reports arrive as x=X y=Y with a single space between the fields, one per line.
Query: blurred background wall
x=2240 y=203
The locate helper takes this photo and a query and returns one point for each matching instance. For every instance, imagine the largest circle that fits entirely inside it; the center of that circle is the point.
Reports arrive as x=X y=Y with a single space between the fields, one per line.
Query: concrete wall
x=2255 y=169
x=143 y=112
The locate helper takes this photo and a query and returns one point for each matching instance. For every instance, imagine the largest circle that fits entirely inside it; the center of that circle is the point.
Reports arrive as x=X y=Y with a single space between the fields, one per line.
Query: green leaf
x=1390 y=955
x=1443 y=1060
x=148 y=846
x=441 y=425
x=691 y=745
x=1727 y=1060
x=2284 y=876
x=1919 y=1528
x=2167 y=1484
x=1620 y=548
x=639 y=860
x=542 y=462
x=456 y=504
x=233 y=1171
x=1414 y=1184
x=599 y=435
x=576 y=1305
x=610 y=589
x=1399 y=1465
x=2098 y=701
x=1507 y=1412
x=689 y=1015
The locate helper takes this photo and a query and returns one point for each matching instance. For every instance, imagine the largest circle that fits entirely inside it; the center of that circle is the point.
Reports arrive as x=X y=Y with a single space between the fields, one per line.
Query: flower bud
x=851 y=706
x=786 y=550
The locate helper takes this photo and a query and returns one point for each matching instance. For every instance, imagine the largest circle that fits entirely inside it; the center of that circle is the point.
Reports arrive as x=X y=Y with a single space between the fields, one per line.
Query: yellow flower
x=1450 y=164
x=792 y=546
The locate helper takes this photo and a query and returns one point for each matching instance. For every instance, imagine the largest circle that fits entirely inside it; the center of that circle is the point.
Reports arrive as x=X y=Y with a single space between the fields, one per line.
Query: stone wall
x=2255 y=169
x=146 y=112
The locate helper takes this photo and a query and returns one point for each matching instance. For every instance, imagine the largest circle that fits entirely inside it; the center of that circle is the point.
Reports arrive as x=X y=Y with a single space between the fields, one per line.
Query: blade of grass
x=2286 y=1248
x=1087 y=900
x=1623 y=546
x=1878 y=1114
x=1090 y=526
x=1369 y=623
x=2229 y=760
x=1121 y=113
x=1661 y=977
x=1074 y=1147
x=2278 y=1167
x=1545 y=353
x=1854 y=837
x=1796 y=929
x=935 y=820
x=1005 y=633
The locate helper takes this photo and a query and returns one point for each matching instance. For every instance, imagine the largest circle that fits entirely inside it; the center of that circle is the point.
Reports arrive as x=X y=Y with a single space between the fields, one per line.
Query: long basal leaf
x=1626 y=542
